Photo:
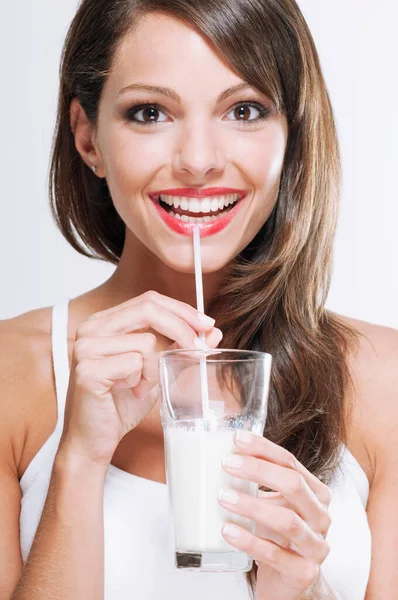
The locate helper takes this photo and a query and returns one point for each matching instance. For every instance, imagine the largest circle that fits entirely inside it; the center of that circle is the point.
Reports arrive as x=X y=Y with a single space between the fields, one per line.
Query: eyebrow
x=174 y=96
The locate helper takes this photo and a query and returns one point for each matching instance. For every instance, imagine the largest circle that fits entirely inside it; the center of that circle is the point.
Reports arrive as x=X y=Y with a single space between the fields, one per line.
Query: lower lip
x=184 y=228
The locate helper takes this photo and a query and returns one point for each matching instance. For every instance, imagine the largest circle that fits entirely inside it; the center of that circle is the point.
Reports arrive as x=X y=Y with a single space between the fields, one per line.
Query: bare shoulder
x=26 y=382
x=374 y=368
x=376 y=340
x=374 y=363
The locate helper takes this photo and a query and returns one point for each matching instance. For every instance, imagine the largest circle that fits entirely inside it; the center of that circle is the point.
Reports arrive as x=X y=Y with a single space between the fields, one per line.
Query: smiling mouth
x=193 y=210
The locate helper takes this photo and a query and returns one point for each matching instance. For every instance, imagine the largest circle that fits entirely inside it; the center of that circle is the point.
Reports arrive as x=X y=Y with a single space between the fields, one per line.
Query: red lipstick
x=206 y=228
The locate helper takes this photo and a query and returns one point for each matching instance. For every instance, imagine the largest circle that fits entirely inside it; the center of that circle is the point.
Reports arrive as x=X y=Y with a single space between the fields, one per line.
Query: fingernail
x=229 y=496
x=220 y=333
x=205 y=319
x=231 y=531
x=233 y=460
x=244 y=437
x=200 y=345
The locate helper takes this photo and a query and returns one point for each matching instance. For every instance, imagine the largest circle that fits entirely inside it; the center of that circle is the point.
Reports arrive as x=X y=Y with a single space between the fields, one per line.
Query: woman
x=223 y=104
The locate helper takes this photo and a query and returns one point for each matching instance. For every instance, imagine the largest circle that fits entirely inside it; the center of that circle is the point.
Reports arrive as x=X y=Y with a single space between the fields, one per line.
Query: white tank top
x=138 y=536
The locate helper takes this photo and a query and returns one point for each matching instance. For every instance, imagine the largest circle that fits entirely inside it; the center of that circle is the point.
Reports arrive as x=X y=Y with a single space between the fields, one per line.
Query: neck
x=140 y=270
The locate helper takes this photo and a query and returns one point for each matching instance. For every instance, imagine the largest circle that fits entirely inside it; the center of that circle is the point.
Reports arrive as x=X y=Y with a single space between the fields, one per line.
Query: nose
x=199 y=151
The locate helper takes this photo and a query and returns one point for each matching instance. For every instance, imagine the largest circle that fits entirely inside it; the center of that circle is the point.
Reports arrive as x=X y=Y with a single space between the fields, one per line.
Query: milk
x=195 y=476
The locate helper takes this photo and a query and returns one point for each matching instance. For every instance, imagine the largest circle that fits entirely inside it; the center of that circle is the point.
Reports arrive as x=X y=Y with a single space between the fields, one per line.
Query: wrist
x=71 y=461
x=76 y=489
x=320 y=590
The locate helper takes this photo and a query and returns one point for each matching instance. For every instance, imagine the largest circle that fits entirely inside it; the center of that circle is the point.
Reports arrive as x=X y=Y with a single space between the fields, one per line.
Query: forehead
x=162 y=49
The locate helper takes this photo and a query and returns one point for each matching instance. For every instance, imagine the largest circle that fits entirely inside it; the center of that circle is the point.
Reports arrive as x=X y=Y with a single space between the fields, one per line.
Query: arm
x=66 y=556
x=382 y=505
x=383 y=519
x=15 y=361
x=376 y=370
x=66 y=560
x=10 y=502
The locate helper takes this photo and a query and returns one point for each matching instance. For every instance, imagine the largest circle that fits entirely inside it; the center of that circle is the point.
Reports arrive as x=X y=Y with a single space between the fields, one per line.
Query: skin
x=195 y=144
x=115 y=330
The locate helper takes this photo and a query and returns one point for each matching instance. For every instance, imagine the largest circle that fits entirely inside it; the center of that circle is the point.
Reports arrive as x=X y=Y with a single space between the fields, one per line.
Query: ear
x=85 y=138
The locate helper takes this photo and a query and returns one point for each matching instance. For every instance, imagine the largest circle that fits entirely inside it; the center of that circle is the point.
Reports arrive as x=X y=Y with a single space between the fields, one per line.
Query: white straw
x=200 y=307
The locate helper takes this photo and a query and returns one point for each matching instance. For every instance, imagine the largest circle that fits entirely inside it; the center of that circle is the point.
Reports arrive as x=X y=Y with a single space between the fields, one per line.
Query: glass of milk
x=205 y=397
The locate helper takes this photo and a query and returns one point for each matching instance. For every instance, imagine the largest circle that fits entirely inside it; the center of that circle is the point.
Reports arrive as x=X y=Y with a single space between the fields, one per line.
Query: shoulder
x=25 y=377
x=23 y=339
x=374 y=361
x=374 y=370
x=376 y=341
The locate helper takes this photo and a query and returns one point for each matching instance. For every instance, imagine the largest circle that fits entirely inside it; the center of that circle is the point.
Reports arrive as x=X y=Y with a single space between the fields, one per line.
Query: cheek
x=133 y=162
x=275 y=160
x=266 y=157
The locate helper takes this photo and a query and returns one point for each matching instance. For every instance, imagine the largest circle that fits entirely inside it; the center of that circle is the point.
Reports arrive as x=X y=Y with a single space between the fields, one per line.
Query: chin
x=183 y=263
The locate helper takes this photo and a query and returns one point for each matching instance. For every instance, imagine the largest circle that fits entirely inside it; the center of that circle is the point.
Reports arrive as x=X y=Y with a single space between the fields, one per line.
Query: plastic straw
x=200 y=306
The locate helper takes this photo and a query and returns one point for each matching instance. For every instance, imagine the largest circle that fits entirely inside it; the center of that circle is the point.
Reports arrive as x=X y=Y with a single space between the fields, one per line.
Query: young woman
x=168 y=110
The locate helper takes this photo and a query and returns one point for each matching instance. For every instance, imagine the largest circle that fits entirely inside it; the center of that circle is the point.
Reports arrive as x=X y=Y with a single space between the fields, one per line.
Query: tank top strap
x=60 y=356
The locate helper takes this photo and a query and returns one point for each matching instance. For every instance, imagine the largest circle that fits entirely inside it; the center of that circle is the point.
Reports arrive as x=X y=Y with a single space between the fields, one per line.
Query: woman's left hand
x=291 y=523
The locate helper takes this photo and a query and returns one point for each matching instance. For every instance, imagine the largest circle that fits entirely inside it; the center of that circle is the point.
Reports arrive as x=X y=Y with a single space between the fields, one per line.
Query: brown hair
x=273 y=295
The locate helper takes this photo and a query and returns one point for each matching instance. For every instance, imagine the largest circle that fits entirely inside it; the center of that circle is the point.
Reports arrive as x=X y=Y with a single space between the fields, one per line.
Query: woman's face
x=197 y=141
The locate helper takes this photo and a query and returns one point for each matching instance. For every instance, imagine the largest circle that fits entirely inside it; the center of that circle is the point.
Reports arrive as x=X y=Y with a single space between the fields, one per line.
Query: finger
x=144 y=316
x=144 y=343
x=181 y=309
x=213 y=338
x=298 y=572
x=99 y=375
x=273 y=498
x=283 y=523
x=289 y=483
x=261 y=447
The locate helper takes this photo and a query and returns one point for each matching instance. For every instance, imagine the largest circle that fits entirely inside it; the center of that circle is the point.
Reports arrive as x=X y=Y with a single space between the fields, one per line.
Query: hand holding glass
x=199 y=426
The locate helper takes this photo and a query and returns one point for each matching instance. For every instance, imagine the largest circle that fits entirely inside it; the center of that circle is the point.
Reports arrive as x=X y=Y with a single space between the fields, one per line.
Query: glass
x=196 y=439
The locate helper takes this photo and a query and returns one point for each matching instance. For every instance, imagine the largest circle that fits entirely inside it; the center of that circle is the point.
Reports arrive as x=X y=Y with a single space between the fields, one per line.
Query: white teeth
x=214 y=204
x=205 y=205
x=194 y=205
x=192 y=219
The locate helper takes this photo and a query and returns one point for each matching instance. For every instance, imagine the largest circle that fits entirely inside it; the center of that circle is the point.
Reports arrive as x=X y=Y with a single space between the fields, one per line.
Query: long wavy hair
x=273 y=294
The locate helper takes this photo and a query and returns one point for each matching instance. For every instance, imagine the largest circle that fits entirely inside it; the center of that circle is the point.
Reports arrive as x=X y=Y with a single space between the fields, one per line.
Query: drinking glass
x=206 y=396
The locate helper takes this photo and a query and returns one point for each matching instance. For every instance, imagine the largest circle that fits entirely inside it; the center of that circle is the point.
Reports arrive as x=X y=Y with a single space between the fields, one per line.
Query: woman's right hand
x=114 y=376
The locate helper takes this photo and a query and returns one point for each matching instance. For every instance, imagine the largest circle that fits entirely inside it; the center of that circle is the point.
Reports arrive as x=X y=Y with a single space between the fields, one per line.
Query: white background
x=357 y=43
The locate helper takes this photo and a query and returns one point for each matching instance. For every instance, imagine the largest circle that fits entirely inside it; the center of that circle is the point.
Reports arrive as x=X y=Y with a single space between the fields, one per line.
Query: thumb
x=174 y=346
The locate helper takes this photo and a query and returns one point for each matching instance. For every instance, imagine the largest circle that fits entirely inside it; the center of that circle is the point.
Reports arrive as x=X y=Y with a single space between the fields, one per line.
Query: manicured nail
x=244 y=437
x=233 y=460
x=219 y=334
x=231 y=531
x=229 y=496
x=205 y=319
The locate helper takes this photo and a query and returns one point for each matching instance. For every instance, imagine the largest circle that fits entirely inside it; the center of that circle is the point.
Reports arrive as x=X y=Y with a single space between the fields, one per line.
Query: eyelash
x=133 y=110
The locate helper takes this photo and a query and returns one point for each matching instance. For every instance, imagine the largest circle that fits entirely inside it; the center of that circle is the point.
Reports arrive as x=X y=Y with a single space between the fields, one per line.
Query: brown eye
x=242 y=113
x=151 y=114
x=144 y=114
x=245 y=111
